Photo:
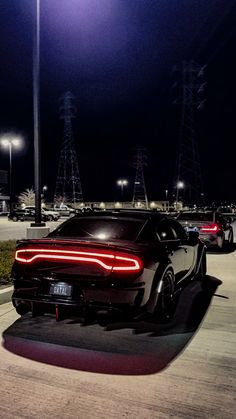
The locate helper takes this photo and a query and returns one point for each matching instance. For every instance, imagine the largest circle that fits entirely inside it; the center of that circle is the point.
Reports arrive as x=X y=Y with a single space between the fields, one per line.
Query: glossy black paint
x=163 y=246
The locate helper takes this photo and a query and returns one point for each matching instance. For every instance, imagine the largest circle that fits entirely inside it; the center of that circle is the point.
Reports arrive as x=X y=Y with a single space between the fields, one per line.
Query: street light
x=179 y=185
x=167 y=202
x=45 y=188
x=122 y=183
x=36 y=97
x=10 y=141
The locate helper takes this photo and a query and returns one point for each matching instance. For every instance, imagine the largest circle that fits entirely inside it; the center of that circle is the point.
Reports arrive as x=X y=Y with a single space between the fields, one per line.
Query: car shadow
x=127 y=348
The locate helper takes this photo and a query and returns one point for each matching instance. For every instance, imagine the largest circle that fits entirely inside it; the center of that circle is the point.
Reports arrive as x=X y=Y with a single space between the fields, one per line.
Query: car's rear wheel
x=50 y=218
x=14 y=218
x=165 y=306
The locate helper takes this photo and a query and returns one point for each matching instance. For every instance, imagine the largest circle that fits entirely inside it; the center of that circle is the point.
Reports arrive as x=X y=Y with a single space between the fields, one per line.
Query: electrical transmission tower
x=68 y=185
x=188 y=168
x=140 y=195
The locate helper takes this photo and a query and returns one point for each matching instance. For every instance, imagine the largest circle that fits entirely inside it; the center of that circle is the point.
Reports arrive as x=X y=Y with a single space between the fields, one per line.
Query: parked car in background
x=117 y=262
x=228 y=209
x=64 y=210
x=50 y=215
x=213 y=227
x=24 y=215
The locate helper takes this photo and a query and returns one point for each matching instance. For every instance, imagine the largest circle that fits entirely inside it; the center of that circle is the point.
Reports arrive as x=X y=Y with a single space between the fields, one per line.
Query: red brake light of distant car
x=211 y=228
x=106 y=260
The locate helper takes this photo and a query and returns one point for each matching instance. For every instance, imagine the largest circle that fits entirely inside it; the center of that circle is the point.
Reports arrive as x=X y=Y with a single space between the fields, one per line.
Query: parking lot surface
x=10 y=230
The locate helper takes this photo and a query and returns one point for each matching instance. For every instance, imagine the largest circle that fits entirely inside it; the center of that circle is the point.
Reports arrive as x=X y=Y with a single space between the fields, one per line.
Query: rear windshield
x=195 y=216
x=100 y=228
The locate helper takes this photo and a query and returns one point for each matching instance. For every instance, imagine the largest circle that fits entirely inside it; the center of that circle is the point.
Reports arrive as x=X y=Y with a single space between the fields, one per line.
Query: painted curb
x=5 y=295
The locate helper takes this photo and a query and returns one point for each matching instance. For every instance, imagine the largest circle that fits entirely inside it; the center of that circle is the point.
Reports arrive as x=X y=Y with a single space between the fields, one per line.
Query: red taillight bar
x=117 y=263
x=212 y=228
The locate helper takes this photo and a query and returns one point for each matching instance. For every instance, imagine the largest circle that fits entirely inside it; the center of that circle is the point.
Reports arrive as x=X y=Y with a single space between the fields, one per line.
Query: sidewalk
x=5 y=294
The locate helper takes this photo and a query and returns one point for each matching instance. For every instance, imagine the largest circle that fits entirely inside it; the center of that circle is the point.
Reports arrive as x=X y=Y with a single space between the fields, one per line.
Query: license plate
x=61 y=289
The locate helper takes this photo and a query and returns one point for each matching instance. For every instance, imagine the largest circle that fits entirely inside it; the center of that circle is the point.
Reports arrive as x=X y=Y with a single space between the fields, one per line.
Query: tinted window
x=195 y=216
x=164 y=231
x=179 y=230
x=101 y=228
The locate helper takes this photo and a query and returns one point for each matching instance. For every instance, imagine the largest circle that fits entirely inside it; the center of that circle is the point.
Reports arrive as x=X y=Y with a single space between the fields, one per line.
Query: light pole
x=36 y=91
x=167 y=203
x=10 y=141
x=179 y=185
x=122 y=183
x=45 y=188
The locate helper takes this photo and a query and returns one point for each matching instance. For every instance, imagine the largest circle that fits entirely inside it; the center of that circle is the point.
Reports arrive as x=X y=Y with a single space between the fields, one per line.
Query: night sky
x=116 y=57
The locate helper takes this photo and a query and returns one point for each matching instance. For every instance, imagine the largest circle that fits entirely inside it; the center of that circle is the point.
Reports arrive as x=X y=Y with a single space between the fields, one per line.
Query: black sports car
x=102 y=263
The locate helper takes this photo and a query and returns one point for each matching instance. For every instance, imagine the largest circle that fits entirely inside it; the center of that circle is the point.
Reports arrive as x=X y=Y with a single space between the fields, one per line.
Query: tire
x=50 y=218
x=165 y=306
x=14 y=218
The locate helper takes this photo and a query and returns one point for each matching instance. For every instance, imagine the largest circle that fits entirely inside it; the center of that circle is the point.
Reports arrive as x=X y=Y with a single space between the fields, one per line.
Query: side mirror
x=193 y=237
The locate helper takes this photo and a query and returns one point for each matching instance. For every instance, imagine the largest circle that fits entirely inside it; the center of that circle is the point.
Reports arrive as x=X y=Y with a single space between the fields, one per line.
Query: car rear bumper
x=114 y=299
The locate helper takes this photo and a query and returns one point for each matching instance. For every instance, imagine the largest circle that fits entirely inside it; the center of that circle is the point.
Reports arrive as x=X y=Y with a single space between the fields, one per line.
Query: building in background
x=4 y=192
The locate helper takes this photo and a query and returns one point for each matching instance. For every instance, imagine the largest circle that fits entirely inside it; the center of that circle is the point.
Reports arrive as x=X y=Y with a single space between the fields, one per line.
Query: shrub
x=7 y=253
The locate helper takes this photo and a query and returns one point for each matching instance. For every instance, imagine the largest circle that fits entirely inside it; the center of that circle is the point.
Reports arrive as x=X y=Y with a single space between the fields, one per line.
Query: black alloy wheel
x=165 y=307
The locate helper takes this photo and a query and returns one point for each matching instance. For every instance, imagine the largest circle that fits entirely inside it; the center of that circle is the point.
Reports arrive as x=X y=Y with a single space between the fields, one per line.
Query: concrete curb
x=5 y=295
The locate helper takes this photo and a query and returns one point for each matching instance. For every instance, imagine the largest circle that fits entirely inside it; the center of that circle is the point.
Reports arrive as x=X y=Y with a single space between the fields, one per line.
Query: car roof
x=123 y=213
x=198 y=212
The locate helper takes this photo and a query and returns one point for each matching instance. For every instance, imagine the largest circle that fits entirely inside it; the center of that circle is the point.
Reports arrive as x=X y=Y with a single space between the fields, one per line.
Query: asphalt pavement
x=10 y=230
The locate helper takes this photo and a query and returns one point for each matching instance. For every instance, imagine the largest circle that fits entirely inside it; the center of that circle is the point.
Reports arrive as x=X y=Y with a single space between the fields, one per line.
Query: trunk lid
x=57 y=258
